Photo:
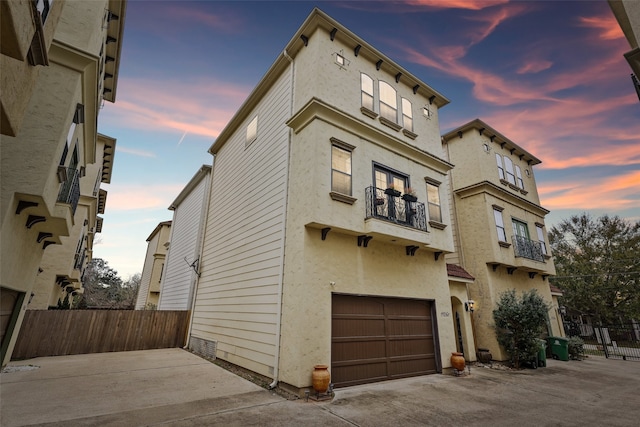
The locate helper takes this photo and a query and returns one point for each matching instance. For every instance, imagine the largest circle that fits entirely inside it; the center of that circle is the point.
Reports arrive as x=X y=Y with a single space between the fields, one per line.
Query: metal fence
x=610 y=341
x=389 y=206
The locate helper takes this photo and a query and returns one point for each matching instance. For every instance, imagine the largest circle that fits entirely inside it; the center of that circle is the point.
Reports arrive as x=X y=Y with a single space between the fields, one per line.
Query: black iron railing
x=526 y=248
x=390 y=206
x=70 y=189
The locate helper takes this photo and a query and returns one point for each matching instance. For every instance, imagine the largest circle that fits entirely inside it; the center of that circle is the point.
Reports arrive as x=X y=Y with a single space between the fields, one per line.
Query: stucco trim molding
x=317 y=109
x=339 y=197
x=507 y=196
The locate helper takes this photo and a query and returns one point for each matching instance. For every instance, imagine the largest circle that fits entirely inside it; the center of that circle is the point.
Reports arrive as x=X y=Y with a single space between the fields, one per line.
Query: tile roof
x=457 y=271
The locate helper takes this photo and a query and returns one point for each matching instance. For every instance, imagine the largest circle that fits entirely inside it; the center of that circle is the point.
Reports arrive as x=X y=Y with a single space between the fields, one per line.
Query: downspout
x=276 y=362
x=203 y=226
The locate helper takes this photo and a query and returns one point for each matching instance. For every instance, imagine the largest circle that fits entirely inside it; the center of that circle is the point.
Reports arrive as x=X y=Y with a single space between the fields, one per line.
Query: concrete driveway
x=174 y=387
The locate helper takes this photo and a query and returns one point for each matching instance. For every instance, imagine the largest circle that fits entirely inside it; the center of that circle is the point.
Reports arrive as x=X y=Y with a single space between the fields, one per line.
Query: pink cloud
x=190 y=15
x=457 y=4
x=607 y=26
x=128 y=197
x=616 y=193
x=534 y=66
x=180 y=106
x=492 y=19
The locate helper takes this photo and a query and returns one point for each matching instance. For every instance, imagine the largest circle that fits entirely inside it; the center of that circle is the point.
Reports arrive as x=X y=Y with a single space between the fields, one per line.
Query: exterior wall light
x=470 y=305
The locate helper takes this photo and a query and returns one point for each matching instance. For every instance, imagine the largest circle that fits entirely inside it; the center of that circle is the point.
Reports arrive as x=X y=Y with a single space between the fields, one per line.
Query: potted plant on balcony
x=391 y=191
x=409 y=195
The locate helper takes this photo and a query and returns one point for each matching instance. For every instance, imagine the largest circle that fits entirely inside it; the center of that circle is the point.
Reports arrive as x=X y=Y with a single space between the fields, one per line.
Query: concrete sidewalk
x=175 y=387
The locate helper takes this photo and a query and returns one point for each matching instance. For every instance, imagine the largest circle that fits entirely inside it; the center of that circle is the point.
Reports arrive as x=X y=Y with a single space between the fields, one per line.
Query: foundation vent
x=202 y=347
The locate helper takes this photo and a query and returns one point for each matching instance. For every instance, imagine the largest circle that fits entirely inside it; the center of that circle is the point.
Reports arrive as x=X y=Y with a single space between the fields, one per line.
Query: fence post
x=603 y=340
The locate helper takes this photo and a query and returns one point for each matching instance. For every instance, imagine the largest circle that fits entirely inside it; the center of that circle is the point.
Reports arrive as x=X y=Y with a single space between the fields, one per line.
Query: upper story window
x=366 y=87
x=497 y=214
x=519 y=181
x=508 y=167
x=43 y=7
x=540 y=232
x=407 y=115
x=78 y=117
x=252 y=131
x=388 y=102
x=433 y=199
x=340 y=169
x=500 y=167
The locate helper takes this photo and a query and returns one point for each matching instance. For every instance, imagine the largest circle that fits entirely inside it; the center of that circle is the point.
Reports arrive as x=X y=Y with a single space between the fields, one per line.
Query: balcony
x=389 y=206
x=70 y=190
x=525 y=248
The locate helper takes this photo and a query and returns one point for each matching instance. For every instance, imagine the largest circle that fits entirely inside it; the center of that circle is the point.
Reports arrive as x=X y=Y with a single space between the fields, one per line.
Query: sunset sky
x=549 y=75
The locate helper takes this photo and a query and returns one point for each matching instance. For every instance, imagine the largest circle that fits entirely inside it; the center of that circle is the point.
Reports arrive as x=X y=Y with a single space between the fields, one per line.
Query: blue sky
x=549 y=75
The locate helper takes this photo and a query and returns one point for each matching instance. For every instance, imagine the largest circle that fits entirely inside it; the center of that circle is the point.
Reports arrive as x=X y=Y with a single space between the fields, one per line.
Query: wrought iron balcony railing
x=70 y=189
x=526 y=248
x=389 y=206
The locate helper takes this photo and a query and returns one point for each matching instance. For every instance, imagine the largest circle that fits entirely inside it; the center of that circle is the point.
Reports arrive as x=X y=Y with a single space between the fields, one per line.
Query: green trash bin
x=542 y=353
x=559 y=347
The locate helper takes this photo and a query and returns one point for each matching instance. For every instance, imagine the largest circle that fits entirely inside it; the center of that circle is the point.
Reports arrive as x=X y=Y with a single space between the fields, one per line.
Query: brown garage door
x=375 y=339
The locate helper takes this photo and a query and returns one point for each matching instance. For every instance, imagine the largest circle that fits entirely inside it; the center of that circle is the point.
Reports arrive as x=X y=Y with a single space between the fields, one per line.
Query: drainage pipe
x=276 y=362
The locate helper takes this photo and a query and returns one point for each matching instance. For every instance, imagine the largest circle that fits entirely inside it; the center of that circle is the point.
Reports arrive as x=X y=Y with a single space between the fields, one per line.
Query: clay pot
x=457 y=361
x=321 y=378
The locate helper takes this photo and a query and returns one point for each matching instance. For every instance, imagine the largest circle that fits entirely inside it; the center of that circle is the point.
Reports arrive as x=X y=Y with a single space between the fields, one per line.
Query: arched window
x=388 y=102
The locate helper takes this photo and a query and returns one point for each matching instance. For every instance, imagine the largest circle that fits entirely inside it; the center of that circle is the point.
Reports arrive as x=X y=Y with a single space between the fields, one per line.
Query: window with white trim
x=366 y=88
x=508 y=167
x=433 y=200
x=340 y=170
x=500 y=167
x=540 y=232
x=519 y=180
x=407 y=115
x=502 y=234
x=388 y=102
x=252 y=131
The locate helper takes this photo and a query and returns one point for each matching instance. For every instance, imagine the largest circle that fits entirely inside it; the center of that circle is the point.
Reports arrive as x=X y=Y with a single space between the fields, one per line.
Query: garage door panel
x=407 y=368
x=380 y=338
x=361 y=373
x=358 y=327
x=358 y=350
x=410 y=347
x=407 y=327
x=353 y=307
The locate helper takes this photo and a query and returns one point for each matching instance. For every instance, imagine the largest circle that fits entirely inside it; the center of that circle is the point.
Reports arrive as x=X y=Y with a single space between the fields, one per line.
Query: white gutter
x=276 y=362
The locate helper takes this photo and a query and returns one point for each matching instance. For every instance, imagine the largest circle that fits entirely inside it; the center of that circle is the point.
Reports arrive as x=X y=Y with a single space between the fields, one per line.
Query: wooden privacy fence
x=64 y=332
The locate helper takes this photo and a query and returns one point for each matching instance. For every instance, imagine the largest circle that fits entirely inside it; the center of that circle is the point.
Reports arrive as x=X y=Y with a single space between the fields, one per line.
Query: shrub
x=576 y=348
x=519 y=323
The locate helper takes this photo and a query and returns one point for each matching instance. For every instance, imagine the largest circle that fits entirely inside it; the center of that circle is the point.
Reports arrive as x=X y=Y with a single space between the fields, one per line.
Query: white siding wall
x=178 y=278
x=147 y=270
x=237 y=297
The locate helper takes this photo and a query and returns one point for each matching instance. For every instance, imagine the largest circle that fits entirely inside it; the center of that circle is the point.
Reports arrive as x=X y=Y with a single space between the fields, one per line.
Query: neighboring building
x=59 y=63
x=627 y=12
x=309 y=257
x=152 y=271
x=500 y=236
x=62 y=266
x=183 y=258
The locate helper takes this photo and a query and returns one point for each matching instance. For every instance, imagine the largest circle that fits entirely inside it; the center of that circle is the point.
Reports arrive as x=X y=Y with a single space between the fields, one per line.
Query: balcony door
x=394 y=207
x=520 y=229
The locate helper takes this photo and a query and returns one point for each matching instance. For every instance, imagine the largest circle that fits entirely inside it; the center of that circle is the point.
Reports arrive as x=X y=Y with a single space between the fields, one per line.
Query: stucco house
x=325 y=233
x=183 y=257
x=627 y=13
x=153 y=270
x=500 y=235
x=62 y=266
x=59 y=62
